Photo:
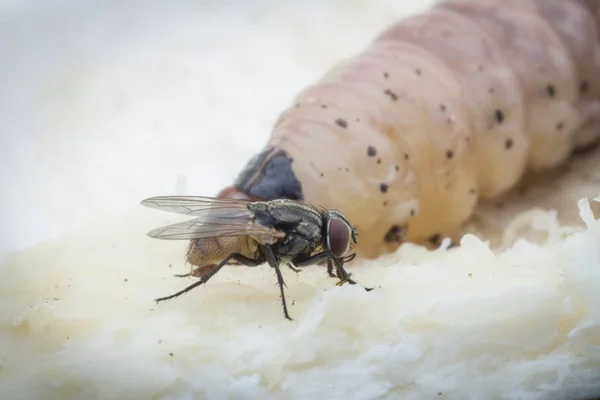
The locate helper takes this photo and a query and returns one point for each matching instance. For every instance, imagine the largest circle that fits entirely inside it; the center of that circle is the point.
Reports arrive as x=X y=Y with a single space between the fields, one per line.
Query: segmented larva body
x=441 y=110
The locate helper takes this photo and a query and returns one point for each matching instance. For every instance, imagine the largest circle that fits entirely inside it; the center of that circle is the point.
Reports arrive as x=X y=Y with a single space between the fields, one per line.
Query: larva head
x=340 y=236
x=266 y=176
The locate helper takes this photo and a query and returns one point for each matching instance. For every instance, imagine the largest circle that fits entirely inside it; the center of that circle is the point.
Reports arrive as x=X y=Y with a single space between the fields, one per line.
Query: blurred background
x=104 y=103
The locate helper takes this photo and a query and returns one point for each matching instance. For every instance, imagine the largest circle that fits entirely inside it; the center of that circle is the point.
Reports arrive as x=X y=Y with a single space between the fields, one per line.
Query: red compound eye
x=338 y=237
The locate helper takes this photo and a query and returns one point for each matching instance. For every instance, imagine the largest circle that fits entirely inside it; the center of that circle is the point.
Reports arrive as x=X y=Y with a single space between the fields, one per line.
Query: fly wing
x=195 y=205
x=215 y=218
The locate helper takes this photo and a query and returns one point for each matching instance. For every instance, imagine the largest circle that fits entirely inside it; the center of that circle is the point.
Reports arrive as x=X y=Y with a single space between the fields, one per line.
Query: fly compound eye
x=338 y=237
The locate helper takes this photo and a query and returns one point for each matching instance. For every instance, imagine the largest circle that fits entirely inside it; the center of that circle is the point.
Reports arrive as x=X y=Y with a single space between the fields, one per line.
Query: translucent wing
x=195 y=205
x=216 y=218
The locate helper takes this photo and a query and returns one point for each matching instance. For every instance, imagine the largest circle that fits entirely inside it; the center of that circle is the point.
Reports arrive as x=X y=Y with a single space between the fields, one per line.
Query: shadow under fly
x=251 y=233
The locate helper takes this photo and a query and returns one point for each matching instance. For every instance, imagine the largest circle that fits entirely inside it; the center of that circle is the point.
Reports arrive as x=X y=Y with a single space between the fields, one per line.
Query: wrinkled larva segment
x=494 y=99
x=426 y=113
x=545 y=70
x=354 y=167
x=592 y=7
x=417 y=109
x=440 y=110
x=578 y=30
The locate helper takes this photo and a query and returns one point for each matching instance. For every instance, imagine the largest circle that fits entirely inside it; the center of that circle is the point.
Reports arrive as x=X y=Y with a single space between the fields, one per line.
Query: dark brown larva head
x=338 y=233
x=266 y=176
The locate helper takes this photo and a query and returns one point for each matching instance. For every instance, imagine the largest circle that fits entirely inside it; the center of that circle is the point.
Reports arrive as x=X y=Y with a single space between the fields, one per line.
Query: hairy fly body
x=277 y=232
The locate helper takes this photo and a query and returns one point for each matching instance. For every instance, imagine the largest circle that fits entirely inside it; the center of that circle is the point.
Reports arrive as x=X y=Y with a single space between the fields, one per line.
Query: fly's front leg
x=330 y=269
x=270 y=257
x=238 y=257
x=338 y=274
x=342 y=274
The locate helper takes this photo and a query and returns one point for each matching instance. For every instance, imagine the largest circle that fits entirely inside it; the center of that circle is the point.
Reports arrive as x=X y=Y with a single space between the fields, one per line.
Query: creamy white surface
x=103 y=104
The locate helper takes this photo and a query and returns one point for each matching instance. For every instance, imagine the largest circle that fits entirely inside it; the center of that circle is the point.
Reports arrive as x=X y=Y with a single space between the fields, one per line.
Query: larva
x=441 y=110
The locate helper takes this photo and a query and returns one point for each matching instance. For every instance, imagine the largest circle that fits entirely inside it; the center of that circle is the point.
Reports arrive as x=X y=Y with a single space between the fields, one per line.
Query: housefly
x=250 y=233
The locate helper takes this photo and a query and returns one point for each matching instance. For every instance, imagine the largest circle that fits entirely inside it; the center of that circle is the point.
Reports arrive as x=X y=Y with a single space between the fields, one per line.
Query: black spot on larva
x=323 y=105
x=442 y=107
x=322 y=175
x=379 y=161
x=347 y=169
x=383 y=187
x=357 y=119
x=395 y=234
x=371 y=151
x=418 y=72
x=508 y=144
x=385 y=75
x=472 y=191
x=392 y=95
x=449 y=154
x=406 y=156
x=397 y=167
x=297 y=105
x=551 y=91
x=434 y=239
x=385 y=203
x=491 y=90
x=480 y=68
x=467 y=139
x=499 y=115
x=560 y=126
x=584 y=86
x=342 y=123
x=412 y=213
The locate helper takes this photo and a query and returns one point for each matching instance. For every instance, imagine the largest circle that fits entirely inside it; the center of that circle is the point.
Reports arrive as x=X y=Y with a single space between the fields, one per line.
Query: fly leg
x=296 y=270
x=312 y=260
x=330 y=269
x=270 y=257
x=332 y=262
x=238 y=257
x=197 y=272
x=341 y=272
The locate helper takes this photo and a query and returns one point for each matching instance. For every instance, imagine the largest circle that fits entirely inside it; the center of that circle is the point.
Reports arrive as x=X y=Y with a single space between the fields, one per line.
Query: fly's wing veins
x=214 y=218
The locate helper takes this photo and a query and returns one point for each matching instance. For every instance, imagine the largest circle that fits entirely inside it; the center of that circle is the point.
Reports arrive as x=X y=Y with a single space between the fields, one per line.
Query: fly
x=277 y=232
